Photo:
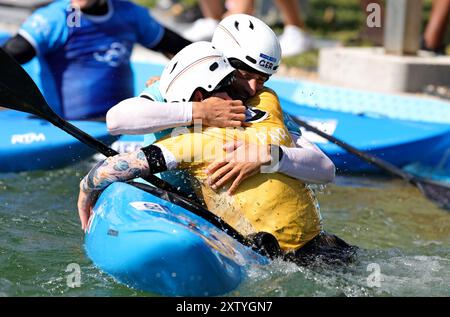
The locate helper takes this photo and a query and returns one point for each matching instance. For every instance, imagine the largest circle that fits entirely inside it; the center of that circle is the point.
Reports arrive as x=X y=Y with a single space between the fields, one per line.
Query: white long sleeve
x=142 y=116
x=306 y=162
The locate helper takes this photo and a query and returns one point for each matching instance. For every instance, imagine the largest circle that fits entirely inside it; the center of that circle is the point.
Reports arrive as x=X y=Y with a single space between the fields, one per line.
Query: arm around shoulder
x=140 y=115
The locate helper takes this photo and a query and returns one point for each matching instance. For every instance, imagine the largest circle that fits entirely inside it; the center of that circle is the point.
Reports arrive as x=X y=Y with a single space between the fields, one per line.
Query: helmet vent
x=213 y=66
x=236 y=25
x=251 y=25
x=251 y=60
x=173 y=68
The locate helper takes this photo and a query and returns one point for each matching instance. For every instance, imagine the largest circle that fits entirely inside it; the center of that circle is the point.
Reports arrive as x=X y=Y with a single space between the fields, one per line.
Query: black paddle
x=436 y=192
x=19 y=92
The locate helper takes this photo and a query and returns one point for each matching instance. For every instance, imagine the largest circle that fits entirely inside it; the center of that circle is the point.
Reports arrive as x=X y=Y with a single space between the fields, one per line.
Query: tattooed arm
x=118 y=168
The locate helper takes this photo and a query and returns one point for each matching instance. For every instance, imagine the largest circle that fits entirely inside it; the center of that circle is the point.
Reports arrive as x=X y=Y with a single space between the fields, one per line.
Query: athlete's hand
x=152 y=80
x=217 y=112
x=241 y=161
x=86 y=201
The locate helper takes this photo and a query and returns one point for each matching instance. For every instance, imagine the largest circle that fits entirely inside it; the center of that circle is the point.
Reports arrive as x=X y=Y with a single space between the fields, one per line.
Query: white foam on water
x=416 y=275
x=400 y=275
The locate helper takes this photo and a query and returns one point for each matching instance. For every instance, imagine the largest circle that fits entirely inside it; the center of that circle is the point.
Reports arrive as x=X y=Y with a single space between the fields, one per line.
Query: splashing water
x=404 y=241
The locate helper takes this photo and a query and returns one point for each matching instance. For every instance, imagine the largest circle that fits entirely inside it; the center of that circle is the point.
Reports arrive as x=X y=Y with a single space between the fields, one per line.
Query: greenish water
x=403 y=235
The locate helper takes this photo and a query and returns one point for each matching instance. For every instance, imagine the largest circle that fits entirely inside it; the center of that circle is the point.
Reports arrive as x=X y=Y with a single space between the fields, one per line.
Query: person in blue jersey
x=254 y=51
x=86 y=45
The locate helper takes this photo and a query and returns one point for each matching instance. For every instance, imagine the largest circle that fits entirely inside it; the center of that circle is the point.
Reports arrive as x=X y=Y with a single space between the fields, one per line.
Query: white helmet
x=249 y=40
x=198 y=65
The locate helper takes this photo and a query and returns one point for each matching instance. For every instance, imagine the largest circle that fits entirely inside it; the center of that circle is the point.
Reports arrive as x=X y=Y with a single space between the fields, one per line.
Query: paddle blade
x=437 y=192
x=18 y=91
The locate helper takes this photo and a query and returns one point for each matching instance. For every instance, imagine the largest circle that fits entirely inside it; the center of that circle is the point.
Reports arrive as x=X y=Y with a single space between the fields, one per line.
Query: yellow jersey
x=270 y=202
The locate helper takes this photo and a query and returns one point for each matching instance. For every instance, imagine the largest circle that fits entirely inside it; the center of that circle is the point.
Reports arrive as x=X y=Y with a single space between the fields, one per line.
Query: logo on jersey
x=253 y=115
x=116 y=55
x=267 y=61
x=40 y=25
x=27 y=138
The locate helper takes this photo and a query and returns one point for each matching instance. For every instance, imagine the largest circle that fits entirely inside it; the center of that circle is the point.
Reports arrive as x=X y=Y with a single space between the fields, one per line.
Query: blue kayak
x=399 y=142
x=151 y=244
x=29 y=143
x=320 y=96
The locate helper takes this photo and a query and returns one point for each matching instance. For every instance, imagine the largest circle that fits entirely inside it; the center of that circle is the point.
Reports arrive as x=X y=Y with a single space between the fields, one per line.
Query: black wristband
x=20 y=49
x=155 y=159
